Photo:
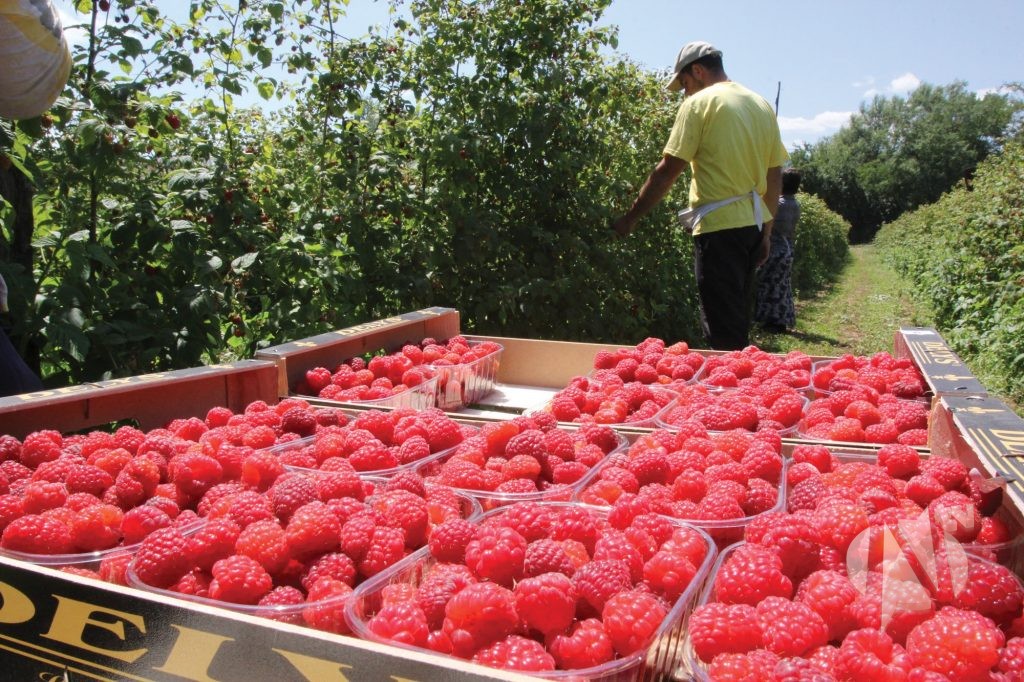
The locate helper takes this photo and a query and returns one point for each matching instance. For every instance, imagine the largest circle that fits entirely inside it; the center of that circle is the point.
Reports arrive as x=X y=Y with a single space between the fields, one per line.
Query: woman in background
x=775 y=310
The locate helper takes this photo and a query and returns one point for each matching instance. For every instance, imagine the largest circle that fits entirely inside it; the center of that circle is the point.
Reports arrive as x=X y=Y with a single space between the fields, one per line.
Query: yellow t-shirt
x=730 y=137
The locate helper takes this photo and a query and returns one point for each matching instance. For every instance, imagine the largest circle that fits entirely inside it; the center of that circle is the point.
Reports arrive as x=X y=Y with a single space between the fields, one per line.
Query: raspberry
x=86 y=478
x=830 y=594
x=448 y=540
x=406 y=511
x=923 y=488
x=239 y=579
x=793 y=538
x=869 y=654
x=260 y=470
x=529 y=442
x=141 y=521
x=614 y=545
x=387 y=547
x=1011 y=660
x=289 y=492
x=751 y=574
x=900 y=461
x=38 y=496
x=403 y=623
x=443 y=434
x=575 y=523
x=883 y=432
x=546 y=603
x=325 y=606
x=313 y=529
x=893 y=605
x=546 y=556
x=632 y=619
x=839 y=522
x=162 y=558
x=214 y=541
x=515 y=653
x=950 y=473
x=438 y=587
x=597 y=581
x=96 y=527
x=36 y=534
x=497 y=554
x=588 y=645
x=531 y=520
x=39 y=447
x=913 y=437
x=717 y=628
x=790 y=628
x=479 y=614
x=959 y=644
x=267 y=543
x=991 y=590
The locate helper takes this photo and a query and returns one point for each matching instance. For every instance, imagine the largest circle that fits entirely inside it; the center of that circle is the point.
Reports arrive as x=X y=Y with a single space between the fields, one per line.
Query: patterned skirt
x=774 y=306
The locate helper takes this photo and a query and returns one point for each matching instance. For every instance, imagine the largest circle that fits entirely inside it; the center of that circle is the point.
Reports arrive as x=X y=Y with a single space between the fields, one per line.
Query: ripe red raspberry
x=289 y=492
x=141 y=521
x=597 y=581
x=448 y=540
x=615 y=545
x=313 y=529
x=588 y=645
x=515 y=653
x=751 y=574
x=239 y=579
x=951 y=473
x=884 y=431
x=717 y=628
x=546 y=603
x=547 y=556
x=96 y=527
x=162 y=558
x=37 y=534
x=437 y=587
x=479 y=614
x=214 y=541
x=531 y=520
x=914 y=437
x=86 y=478
x=403 y=623
x=669 y=573
x=901 y=461
x=893 y=605
x=38 y=496
x=632 y=620
x=39 y=447
x=406 y=511
x=260 y=470
x=923 y=488
x=839 y=522
x=333 y=565
x=267 y=543
x=497 y=554
x=991 y=590
x=386 y=547
x=831 y=594
x=790 y=628
x=959 y=644
x=1011 y=660
x=443 y=433
x=870 y=654
x=325 y=606
x=792 y=537
x=529 y=442
x=575 y=523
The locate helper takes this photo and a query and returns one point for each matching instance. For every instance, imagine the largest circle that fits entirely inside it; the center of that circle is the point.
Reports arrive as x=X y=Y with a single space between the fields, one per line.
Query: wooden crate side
x=151 y=400
x=943 y=370
x=330 y=349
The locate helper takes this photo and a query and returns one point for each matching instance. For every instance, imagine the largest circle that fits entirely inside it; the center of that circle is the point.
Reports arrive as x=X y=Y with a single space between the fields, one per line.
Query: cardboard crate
x=57 y=626
x=150 y=400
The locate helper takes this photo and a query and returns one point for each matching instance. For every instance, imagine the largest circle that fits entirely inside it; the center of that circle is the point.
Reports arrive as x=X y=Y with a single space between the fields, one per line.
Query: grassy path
x=859 y=314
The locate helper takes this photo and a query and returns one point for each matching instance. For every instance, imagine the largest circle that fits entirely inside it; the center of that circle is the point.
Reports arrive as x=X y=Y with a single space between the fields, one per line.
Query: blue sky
x=829 y=55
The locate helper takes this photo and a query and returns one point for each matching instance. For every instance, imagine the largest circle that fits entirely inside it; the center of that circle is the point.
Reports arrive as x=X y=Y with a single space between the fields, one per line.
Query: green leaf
x=243 y=263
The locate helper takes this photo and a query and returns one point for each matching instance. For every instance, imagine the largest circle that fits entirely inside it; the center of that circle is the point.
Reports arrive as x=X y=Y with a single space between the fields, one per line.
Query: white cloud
x=901 y=85
x=799 y=130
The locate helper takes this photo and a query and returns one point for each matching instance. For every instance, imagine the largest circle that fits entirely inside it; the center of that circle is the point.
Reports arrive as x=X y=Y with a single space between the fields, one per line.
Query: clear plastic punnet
x=657 y=660
x=461 y=385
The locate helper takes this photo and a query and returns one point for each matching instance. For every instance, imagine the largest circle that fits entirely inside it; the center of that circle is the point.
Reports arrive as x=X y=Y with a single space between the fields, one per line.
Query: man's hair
x=790 y=181
x=711 y=62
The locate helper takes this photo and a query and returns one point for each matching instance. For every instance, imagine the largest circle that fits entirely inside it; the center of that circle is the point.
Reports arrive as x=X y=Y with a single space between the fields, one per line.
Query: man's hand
x=624 y=226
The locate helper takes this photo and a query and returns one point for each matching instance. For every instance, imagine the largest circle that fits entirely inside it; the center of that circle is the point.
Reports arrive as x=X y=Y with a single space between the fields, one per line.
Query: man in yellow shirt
x=730 y=137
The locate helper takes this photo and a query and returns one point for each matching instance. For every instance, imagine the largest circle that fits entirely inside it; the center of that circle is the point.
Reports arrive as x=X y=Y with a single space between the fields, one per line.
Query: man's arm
x=771 y=198
x=654 y=190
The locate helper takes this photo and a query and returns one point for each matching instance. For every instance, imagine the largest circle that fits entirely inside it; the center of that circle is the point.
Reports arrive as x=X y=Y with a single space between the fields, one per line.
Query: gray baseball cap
x=690 y=53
